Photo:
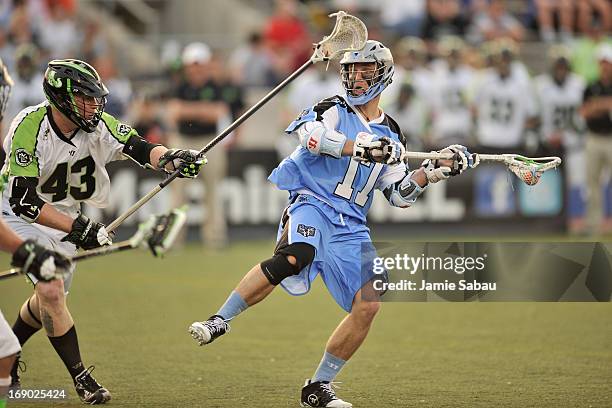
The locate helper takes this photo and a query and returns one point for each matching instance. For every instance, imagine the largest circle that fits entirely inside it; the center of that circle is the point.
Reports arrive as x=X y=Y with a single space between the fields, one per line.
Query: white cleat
x=207 y=331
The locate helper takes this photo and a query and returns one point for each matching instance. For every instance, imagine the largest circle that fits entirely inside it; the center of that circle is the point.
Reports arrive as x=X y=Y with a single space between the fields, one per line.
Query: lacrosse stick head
x=349 y=34
x=159 y=231
x=530 y=170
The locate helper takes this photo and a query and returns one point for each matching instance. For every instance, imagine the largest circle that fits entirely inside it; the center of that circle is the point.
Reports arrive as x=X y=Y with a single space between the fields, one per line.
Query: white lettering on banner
x=254 y=200
x=499 y=194
x=433 y=205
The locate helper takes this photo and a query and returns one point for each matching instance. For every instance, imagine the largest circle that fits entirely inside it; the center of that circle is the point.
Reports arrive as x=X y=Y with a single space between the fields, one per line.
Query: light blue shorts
x=344 y=250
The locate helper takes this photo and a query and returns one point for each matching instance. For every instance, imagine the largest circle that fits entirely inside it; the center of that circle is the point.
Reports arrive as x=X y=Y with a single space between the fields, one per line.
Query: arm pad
x=24 y=199
x=404 y=192
x=320 y=140
x=139 y=150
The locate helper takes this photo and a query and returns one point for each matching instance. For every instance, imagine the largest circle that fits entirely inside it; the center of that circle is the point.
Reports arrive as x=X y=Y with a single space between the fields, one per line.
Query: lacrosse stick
x=157 y=233
x=528 y=169
x=349 y=34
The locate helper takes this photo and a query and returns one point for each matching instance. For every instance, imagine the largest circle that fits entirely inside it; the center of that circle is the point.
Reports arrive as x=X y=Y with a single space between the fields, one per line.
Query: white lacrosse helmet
x=373 y=51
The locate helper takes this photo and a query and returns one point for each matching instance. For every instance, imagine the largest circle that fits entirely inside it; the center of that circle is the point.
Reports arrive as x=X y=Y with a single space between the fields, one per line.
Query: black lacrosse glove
x=44 y=264
x=87 y=234
x=188 y=161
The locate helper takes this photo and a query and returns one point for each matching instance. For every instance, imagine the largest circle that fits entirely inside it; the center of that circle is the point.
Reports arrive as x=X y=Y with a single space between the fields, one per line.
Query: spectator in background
x=316 y=83
x=312 y=86
x=597 y=112
x=7 y=50
x=496 y=22
x=588 y=10
x=58 y=31
x=411 y=114
x=546 y=10
x=93 y=42
x=118 y=101
x=147 y=120
x=504 y=105
x=28 y=78
x=584 y=60
x=251 y=64
x=559 y=94
x=450 y=108
x=491 y=49
x=198 y=109
x=21 y=26
x=401 y=18
x=444 y=18
x=411 y=66
x=287 y=36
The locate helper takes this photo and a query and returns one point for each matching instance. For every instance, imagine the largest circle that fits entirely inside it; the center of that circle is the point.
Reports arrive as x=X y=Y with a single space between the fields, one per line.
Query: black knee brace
x=278 y=267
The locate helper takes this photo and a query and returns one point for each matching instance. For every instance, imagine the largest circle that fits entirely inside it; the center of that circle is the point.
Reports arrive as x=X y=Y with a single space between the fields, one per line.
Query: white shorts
x=9 y=344
x=47 y=237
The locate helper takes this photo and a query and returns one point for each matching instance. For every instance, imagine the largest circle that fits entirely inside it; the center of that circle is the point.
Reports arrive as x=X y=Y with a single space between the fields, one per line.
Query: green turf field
x=132 y=313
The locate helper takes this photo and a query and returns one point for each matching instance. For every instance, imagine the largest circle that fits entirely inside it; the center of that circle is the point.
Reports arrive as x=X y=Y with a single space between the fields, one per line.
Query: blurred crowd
x=460 y=75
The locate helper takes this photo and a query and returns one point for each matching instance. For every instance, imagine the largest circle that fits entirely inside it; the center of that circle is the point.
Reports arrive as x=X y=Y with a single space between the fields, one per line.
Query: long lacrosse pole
x=159 y=232
x=118 y=247
x=348 y=29
x=113 y=225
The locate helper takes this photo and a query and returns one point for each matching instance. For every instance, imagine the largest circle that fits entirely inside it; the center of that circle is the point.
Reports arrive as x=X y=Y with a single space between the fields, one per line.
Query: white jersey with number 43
x=69 y=170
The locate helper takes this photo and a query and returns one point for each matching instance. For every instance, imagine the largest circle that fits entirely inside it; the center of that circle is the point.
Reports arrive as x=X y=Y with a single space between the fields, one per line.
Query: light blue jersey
x=344 y=184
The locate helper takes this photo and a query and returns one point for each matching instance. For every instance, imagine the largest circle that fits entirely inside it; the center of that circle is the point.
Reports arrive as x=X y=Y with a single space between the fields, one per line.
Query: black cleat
x=207 y=331
x=18 y=366
x=89 y=390
x=321 y=394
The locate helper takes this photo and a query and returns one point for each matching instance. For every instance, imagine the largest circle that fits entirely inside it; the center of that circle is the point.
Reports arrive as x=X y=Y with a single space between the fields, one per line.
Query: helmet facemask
x=85 y=111
x=371 y=76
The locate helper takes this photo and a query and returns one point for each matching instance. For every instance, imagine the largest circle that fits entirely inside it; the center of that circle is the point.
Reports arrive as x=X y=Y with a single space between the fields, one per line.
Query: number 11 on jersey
x=345 y=188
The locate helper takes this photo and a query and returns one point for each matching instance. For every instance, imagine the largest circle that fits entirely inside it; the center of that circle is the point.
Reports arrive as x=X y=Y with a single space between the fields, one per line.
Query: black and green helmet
x=67 y=78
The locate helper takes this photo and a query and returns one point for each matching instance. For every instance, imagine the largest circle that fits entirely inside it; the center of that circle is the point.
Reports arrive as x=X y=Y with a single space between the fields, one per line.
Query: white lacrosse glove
x=434 y=172
x=377 y=149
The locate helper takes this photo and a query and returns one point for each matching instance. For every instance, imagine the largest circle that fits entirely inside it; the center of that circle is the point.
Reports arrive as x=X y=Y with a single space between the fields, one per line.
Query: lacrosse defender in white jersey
x=32 y=258
x=559 y=95
x=348 y=148
x=504 y=104
x=56 y=157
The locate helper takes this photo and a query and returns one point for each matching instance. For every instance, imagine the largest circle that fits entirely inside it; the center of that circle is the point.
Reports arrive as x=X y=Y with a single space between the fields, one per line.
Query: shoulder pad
x=392 y=124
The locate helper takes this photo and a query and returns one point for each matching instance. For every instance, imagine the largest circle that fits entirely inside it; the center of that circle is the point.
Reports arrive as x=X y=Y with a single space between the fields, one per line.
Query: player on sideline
x=348 y=148
x=44 y=264
x=56 y=156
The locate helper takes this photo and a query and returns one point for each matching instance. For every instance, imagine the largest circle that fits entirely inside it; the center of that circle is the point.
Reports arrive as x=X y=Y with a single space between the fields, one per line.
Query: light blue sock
x=329 y=368
x=233 y=306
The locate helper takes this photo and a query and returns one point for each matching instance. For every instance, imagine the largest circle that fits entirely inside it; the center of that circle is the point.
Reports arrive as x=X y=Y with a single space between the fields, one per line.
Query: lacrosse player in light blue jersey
x=348 y=148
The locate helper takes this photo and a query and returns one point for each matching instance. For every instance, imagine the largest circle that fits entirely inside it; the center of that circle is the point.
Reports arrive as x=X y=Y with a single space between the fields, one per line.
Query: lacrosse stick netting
x=349 y=34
